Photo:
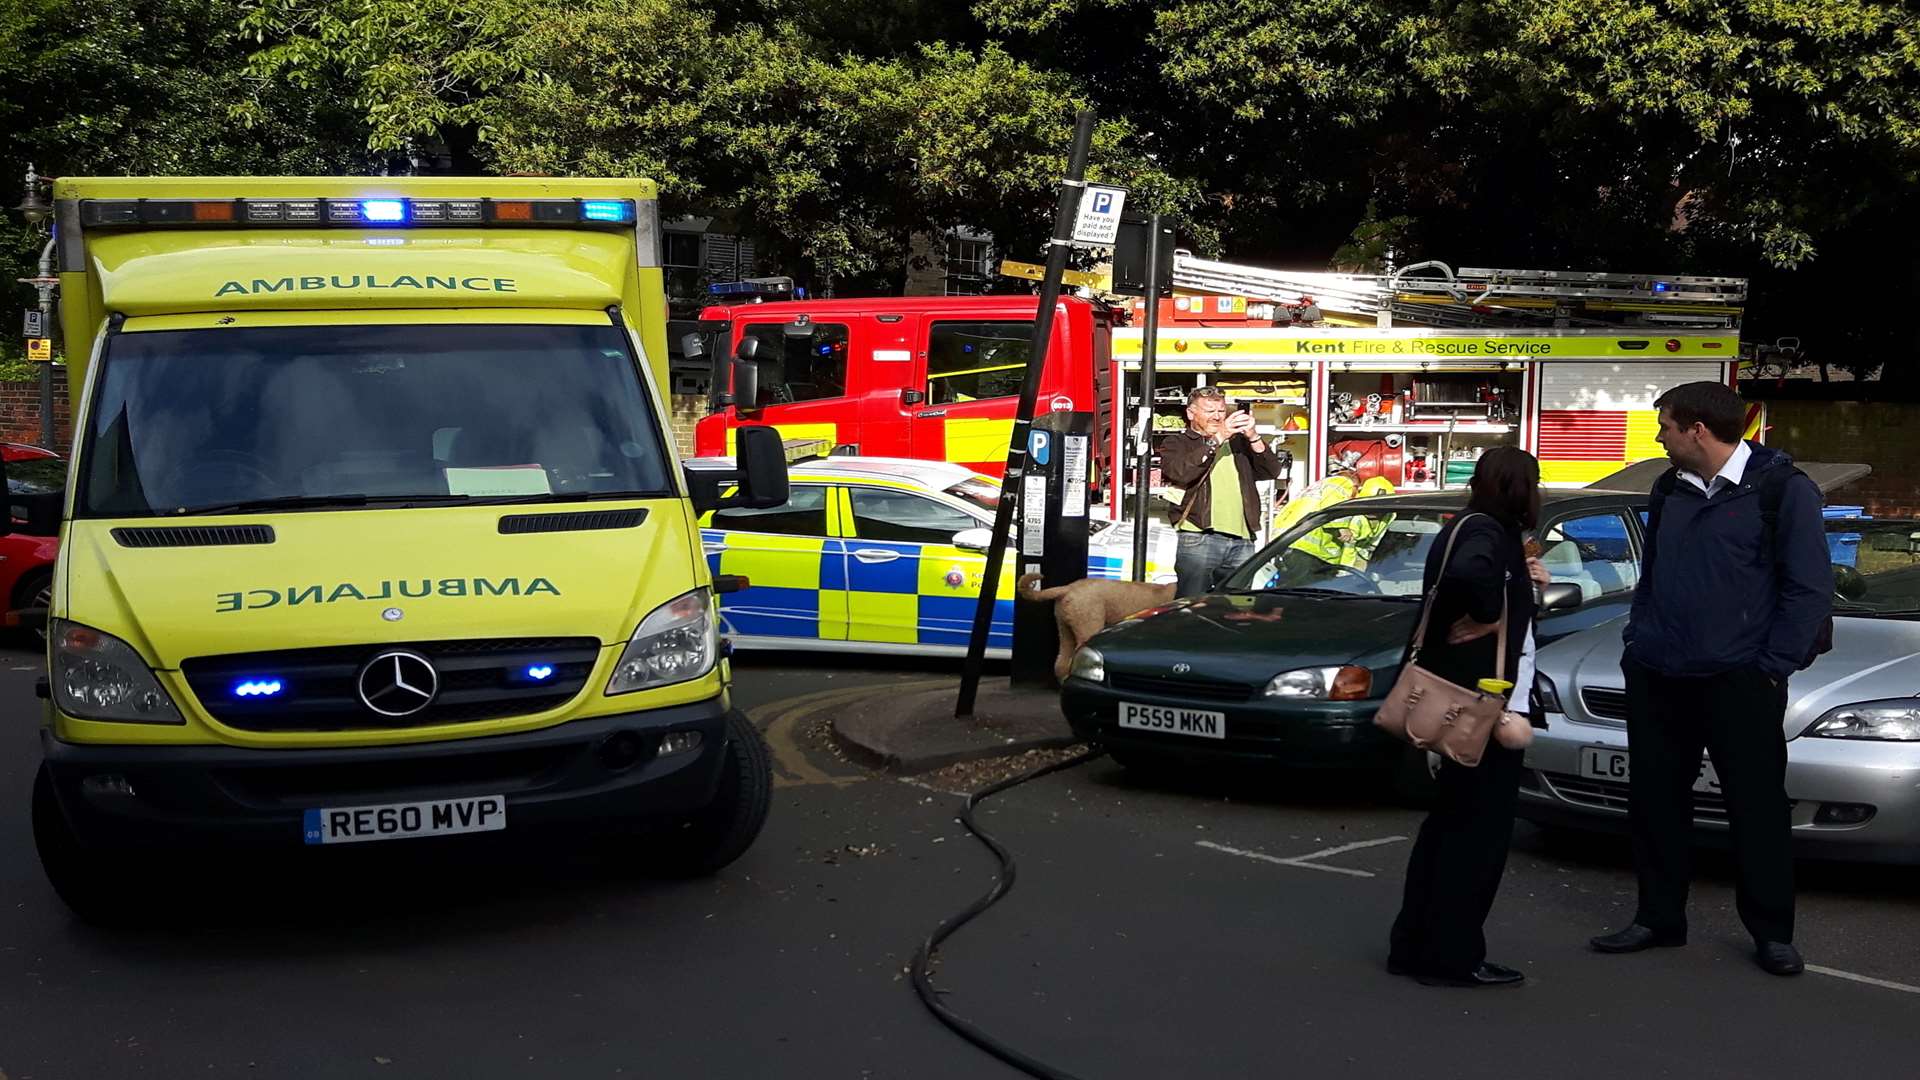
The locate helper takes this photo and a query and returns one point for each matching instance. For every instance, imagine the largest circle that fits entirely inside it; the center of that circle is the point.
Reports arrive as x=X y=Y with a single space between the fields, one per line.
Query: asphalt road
x=1152 y=934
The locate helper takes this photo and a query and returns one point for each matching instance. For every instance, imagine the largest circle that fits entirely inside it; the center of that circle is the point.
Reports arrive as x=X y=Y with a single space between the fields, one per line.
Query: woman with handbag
x=1476 y=624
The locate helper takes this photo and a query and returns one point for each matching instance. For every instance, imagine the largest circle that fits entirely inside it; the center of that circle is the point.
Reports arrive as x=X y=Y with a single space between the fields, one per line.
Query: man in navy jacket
x=1736 y=588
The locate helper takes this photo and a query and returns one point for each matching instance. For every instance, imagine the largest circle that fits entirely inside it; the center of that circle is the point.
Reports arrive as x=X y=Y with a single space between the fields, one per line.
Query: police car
x=880 y=555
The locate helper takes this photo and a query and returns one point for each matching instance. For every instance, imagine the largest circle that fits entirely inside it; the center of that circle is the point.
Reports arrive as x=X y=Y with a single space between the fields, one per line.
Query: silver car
x=1852 y=724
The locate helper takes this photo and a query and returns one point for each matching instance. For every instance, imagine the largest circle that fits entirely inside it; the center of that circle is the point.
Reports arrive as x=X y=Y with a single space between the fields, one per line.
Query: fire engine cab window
x=973 y=360
x=905 y=518
x=803 y=514
x=801 y=367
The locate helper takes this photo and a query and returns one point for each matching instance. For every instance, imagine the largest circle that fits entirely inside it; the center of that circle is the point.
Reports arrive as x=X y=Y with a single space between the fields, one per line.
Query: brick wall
x=1885 y=435
x=686 y=411
x=20 y=412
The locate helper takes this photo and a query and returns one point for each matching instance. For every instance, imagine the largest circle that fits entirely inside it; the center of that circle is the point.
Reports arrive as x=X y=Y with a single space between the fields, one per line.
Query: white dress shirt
x=1729 y=476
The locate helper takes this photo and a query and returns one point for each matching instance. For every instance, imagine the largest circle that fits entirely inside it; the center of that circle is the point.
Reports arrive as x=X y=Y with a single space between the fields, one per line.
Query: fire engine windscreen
x=801 y=366
x=342 y=415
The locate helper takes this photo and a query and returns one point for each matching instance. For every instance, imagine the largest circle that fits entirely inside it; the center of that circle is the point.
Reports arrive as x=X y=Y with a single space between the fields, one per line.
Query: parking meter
x=1053 y=519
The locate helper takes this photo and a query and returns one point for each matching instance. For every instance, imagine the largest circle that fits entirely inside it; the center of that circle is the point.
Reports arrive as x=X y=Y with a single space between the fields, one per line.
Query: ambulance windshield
x=324 y=417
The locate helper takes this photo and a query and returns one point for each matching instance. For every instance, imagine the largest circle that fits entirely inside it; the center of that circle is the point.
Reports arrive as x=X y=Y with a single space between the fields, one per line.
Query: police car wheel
x=723 y=831
x=84 y=878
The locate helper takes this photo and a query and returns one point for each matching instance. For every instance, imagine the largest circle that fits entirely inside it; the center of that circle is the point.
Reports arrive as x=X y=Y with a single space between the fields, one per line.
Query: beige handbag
x=1434 y=714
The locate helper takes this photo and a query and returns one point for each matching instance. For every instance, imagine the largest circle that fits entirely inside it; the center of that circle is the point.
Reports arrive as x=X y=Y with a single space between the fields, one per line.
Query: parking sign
x=1098 y=223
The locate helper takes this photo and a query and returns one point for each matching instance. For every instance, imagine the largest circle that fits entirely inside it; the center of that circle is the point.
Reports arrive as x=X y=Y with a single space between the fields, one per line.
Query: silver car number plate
x=398 y=821
x=1173 y=720
x=1606 y=763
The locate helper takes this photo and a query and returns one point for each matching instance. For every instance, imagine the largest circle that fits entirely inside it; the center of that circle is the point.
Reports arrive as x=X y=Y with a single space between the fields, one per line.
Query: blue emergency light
x=384 y=211
x=540 y=672
x=618 y=211
x=257 y=688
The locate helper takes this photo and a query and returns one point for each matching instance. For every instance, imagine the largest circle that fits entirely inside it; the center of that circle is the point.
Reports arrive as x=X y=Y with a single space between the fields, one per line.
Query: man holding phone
x=1218 y=459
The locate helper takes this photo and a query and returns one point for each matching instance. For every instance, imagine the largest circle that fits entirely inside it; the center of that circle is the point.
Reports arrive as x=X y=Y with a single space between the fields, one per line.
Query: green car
x=1289 y=659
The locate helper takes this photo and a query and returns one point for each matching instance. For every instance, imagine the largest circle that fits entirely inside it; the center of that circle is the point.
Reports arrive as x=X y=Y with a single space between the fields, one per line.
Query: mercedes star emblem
x=398 y=683
x=1182 y=668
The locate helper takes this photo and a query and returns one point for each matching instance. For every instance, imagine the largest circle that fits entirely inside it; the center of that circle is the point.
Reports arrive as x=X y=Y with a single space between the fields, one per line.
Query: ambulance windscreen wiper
x=293 y=502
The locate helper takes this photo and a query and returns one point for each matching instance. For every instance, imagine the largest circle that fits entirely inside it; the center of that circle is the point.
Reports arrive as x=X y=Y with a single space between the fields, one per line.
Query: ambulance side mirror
x=758 y=478
x=760 y=455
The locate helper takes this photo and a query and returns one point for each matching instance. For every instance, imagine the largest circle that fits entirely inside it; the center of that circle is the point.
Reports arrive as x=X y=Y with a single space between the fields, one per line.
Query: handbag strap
x=1426 y=607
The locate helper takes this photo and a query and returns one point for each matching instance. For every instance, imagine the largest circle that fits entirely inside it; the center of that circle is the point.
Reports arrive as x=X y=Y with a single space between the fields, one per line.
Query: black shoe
x=1484 y=975
x=1779 y=958
x=1636 y=938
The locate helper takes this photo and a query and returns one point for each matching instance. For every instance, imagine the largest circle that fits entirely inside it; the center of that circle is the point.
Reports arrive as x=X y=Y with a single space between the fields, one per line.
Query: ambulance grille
x=596 y=519
x=193 y=536
x=484 y=679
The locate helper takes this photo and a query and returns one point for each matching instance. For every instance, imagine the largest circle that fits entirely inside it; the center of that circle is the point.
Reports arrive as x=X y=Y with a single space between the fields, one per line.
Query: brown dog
x=1088 y=606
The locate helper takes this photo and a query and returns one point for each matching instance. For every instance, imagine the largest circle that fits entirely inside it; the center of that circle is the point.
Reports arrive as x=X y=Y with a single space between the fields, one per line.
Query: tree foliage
x=1727 y=136
x=758 y=114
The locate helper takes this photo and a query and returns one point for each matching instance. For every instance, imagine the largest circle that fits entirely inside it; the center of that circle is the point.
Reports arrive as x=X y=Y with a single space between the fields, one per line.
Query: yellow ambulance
x=375 y=531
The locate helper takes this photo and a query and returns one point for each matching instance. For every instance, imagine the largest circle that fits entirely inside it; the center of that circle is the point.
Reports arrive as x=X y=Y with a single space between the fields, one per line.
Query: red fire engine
x=1414 y=375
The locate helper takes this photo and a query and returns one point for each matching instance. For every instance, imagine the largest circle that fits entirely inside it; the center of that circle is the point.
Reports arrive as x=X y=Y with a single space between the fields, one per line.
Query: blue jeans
x=1204 y=559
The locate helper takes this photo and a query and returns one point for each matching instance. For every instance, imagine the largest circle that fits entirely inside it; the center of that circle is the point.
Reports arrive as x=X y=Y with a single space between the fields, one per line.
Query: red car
x=26 y=559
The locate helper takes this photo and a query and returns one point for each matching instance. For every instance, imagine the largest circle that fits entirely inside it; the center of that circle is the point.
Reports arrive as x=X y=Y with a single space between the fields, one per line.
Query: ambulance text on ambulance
x=423 y=283
x=1432 y=347
x=413 y=588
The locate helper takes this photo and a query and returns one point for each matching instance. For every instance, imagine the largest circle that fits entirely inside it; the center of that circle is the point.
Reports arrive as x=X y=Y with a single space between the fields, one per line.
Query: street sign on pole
x=35 y=324
x=1064 y=236
x=40 y=349
x=1098 y=222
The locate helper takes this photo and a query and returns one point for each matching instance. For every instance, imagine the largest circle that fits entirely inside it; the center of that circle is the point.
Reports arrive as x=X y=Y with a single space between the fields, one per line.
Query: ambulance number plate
x=398 y=821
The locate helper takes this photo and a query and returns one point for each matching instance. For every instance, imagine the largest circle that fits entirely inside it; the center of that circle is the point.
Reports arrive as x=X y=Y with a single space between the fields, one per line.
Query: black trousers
x=1736 y=718
x=1456 y=866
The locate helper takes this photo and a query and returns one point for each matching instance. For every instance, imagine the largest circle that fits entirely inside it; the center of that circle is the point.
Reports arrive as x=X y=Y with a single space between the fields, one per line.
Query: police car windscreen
x=324 y=416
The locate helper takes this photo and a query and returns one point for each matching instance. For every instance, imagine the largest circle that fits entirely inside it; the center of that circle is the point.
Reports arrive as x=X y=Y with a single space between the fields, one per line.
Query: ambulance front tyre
x=97 y=887
x=708 y=840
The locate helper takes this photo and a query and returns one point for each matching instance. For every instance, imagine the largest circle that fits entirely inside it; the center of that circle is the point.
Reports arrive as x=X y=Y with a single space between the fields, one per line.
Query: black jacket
x=1717 y=592
x=1186 y=461
x=1489 y=558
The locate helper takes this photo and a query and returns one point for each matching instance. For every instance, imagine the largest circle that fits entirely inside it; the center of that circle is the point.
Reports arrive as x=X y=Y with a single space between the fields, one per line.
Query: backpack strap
x=1773 y=492
x=1662 y=488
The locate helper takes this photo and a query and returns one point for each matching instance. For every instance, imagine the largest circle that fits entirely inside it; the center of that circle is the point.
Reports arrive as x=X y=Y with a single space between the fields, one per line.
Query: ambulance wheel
x=714 y=836
x=84 y=878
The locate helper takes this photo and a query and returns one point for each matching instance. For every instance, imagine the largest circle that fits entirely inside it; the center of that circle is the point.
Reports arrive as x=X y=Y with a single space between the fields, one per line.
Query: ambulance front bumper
x=586 y=774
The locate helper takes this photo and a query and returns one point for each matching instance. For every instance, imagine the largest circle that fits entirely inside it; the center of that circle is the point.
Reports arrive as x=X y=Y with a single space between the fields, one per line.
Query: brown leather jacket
x=1186 y=461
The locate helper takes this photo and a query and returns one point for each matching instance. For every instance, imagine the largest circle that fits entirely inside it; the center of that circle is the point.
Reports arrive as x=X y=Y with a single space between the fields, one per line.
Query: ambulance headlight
x=97 y=676
x=679 y=641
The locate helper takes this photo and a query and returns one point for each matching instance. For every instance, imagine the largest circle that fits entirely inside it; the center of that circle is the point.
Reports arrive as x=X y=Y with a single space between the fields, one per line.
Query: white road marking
x=1344 y=848
x=1302 y=861
x=1851 y=977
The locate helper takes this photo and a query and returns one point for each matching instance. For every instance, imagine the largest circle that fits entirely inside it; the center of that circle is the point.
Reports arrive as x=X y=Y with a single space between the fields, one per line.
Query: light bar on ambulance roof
x=383 y=212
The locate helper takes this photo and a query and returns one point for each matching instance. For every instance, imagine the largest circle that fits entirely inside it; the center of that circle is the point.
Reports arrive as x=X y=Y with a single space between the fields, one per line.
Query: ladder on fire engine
x=1434 y=294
